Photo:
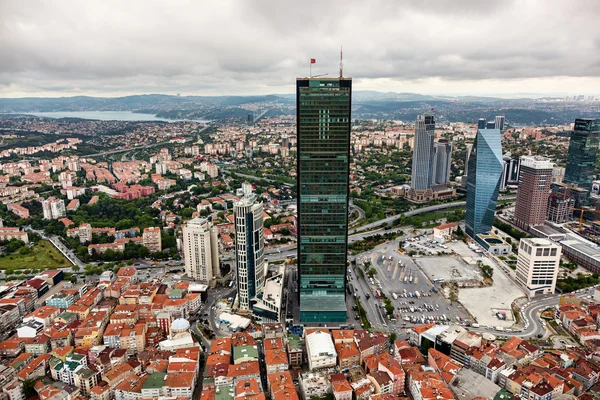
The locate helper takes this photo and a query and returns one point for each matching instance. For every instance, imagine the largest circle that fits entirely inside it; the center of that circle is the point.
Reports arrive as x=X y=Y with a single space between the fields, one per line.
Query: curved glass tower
x=483 y=182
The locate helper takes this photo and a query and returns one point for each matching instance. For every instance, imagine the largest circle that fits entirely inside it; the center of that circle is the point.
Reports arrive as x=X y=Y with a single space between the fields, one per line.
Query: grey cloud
x=238 y=47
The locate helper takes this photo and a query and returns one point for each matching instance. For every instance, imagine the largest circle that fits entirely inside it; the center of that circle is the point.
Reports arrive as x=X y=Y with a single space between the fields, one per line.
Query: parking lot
x=416 y=299
x=490 y=306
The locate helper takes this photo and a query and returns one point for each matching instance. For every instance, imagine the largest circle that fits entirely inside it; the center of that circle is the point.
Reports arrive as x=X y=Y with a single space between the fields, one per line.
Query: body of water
x=105 y=116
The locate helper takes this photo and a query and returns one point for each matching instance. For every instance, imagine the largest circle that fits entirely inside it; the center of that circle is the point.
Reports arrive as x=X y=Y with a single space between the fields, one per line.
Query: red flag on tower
x=313 y=60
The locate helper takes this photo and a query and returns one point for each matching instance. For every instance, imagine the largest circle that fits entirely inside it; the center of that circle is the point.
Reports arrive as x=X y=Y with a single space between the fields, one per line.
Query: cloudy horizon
x=435 y=47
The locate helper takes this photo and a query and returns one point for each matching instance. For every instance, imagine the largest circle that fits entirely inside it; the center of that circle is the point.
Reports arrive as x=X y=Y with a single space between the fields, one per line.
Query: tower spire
x=341 y=64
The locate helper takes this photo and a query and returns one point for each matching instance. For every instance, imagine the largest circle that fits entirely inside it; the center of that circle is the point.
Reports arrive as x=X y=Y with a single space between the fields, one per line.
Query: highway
x=106 y=153
x=410 y=213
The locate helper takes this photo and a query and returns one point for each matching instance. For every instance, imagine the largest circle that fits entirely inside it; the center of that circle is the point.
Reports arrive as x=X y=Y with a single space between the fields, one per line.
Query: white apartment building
x=53 y=208
x=537 y=266
x=249 y=249
x=201 y=250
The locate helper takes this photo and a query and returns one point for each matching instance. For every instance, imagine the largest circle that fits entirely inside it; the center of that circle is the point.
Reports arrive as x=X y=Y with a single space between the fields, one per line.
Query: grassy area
x=42 y=256
x=363 y=315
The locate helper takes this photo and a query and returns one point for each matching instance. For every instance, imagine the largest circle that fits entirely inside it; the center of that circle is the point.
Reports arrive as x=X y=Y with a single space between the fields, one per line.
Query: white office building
x=249 y=250
x=201 y=251
x=537 y=266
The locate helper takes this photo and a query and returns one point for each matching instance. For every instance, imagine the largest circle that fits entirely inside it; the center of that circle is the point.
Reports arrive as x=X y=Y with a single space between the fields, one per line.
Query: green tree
x=28 y=388
x=393 y=337
x=372 y=272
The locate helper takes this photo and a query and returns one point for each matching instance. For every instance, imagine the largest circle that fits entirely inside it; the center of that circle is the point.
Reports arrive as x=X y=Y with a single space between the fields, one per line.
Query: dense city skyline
x=207 y=48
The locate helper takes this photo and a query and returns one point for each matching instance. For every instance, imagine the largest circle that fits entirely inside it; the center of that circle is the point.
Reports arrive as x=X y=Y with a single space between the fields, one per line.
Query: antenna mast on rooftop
x=341 y=64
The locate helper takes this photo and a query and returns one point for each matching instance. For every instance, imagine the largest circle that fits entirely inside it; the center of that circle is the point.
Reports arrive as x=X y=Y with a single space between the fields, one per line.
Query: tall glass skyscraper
x=249 y=249
x=583 y=153
x=442 y=161
x=422 y=162
x=483 y=182
x=323 y=168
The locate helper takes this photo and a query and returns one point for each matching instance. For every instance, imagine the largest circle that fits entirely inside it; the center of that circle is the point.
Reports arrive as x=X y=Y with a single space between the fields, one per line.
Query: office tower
x=483 y=182
x=499 y=123
x=468 y=155
x=249 y=249
x=323 y=168
x=422 y=162
x=53 y=208
x=583 y=152
x=537 y=266
x=201 y=250
x=490 y=125
x=482 y=123
x=534 y=189
x=442 y=162
x=510 y=172
x=560 y=208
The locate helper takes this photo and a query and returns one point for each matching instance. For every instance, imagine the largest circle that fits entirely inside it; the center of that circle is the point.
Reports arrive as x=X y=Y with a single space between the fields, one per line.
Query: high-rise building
x=537 y=266
x=534 y=189
x=152 y=239
x=249 y=249
x=323 y=108
x=578 y=194
x=441 y=162
x=53 y=208
x=483 y=182
x=469 y=147
x=481 y=123
x=583 y=153
x=510 y=172
x=422 y=162
x=201 y=250
x=499 y=123
x=490 y=125
x=560 y=208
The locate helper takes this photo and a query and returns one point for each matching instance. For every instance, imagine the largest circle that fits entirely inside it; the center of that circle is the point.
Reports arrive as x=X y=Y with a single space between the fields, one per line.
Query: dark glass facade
x=583 y=153
x=323 y=170
x=483 y=182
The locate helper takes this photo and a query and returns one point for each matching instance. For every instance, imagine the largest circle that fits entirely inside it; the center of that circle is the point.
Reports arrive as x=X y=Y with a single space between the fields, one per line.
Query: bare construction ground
x=448 y=268
x=483 y=303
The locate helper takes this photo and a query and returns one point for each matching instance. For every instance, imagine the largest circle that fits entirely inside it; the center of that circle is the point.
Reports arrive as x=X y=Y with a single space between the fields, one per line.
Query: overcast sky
x=61 y=48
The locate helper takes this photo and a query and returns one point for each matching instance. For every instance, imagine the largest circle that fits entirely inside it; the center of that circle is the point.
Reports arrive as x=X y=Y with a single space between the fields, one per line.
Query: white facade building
x=53 y=208
x=201 y=250
x=249 y=249
x=537 y=266
x=320 y=350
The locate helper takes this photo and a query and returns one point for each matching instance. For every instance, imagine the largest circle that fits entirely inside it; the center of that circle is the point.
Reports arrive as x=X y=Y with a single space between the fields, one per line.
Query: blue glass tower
x=483 y=182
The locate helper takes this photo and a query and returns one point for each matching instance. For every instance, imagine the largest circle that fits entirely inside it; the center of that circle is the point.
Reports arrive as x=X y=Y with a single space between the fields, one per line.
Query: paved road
x=106 y=153
x=410 y=213
x=530 y=314
x=253 y=177
x=65 y=251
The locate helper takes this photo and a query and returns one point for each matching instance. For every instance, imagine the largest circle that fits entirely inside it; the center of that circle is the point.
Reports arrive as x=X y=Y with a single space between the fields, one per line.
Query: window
x=553 y=252
x=538 y=252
